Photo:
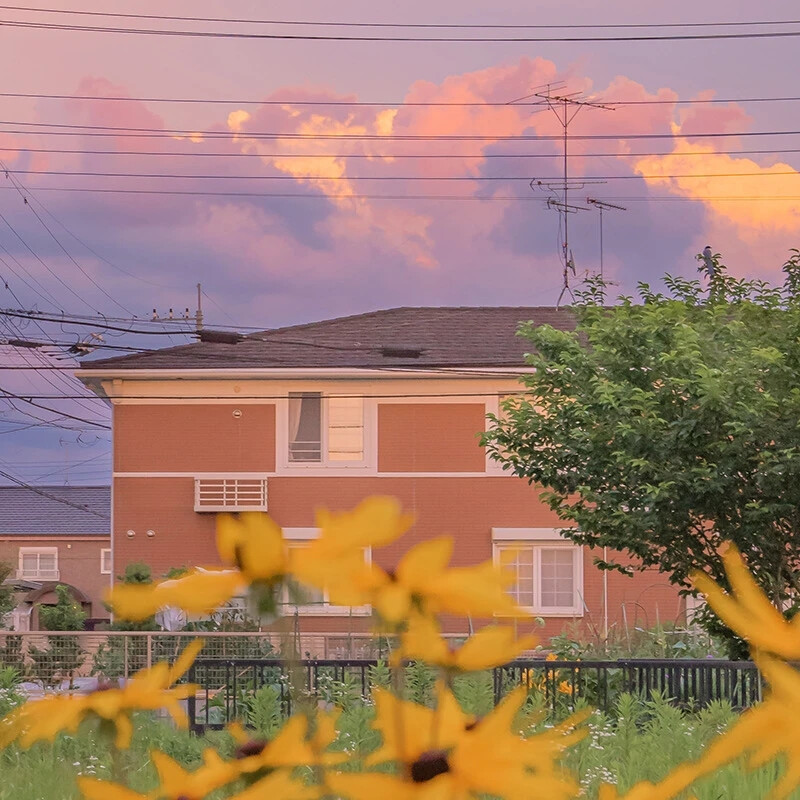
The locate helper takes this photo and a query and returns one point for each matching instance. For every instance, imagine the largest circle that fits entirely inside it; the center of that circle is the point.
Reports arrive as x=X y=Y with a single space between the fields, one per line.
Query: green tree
x=663 y=429
x=65 y=615
x=7 y=602
x=64 y=654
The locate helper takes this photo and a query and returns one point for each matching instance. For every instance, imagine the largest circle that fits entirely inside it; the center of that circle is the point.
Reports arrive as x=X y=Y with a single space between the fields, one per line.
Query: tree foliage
x=7 y=602
x=666 y=427
x=65 y=615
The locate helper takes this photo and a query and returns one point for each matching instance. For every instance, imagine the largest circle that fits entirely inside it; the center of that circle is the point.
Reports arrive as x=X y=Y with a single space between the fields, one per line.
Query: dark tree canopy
x=666 y=427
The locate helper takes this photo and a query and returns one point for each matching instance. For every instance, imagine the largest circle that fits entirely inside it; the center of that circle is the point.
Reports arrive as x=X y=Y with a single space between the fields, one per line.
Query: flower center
x=252 y=748
x=429 y=765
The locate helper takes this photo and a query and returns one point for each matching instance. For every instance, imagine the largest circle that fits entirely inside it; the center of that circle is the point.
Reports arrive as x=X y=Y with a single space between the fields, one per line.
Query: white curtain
x=295 y=409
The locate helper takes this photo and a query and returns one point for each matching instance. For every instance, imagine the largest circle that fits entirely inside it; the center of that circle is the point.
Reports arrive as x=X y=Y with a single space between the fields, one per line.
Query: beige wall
x=78 y=564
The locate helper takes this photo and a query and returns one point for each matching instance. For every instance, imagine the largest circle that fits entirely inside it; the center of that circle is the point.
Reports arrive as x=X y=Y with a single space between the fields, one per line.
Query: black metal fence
x=229 y=688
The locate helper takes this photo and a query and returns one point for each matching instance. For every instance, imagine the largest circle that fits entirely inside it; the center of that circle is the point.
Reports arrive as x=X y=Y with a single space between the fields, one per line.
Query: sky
x=369 y=224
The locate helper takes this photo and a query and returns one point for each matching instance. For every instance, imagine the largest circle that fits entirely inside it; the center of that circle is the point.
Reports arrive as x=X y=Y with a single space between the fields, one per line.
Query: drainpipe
x=605 y=596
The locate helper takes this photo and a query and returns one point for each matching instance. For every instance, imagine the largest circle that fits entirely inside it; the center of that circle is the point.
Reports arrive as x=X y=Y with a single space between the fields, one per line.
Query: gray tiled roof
x=446 y=337
x=37 y=511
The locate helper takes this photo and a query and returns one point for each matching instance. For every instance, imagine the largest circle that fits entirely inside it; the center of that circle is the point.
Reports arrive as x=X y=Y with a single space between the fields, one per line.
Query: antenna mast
x=601 y=206
x=565 y=107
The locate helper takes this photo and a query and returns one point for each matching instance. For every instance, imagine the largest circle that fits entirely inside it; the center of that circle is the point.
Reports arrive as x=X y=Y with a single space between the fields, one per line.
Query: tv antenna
x=565 y=107
x=602 y=206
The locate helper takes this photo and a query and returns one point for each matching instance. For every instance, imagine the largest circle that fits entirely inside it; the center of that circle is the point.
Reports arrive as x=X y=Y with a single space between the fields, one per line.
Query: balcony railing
x=38 y=574
x=230 y=494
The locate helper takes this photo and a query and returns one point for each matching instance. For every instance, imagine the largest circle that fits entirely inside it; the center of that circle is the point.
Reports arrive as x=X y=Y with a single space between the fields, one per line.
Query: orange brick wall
x=78 y=564
x=467 y=508
x=200 y=438
x=425 y=437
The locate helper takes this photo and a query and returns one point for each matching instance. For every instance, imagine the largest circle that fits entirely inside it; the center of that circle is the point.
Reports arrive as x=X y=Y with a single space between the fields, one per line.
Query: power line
x=98 y=324
x=57 y=499
x=30 y=399
x=372 y=156
x=137 y=132
x=379 y=104
x=362 y=24
x=456 y=178
x=395 y=197
x=319 y=37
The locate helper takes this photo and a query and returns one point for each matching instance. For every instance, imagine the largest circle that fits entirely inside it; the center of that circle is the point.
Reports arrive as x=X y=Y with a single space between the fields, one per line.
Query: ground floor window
x=548 y=572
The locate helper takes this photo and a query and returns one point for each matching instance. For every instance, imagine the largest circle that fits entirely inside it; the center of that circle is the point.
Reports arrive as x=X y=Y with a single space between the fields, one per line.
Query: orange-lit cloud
x=762 y=200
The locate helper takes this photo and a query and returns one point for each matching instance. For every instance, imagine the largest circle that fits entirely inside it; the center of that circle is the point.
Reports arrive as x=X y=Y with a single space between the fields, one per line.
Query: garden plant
x=439 y=739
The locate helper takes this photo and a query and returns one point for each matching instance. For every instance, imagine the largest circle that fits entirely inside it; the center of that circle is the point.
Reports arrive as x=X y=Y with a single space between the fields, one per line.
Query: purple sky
x=268 y=261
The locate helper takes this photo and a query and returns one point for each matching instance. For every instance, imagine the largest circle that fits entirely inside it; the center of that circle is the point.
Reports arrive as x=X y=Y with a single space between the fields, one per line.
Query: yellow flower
x=253 y=543
x=409 y=729
x=423 y=582
x=748 y=612
x=565 y=687
x=201 y=591
x=149 y=689
x=335 y=560
x=293 y=746
x=449 y=760
x=278 y=785
x=492 y=646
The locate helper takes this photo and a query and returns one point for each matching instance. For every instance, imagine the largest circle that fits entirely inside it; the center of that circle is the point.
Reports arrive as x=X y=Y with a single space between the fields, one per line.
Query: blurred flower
x=253 y=543
x=331 y=561
x=445 y=758
x=748 y=612
x=491 y=646
x=201 y=591
x=148 y=690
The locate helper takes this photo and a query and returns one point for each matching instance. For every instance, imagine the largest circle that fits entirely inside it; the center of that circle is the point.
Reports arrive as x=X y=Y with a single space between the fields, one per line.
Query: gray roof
x=395 y=337
x=55 y=510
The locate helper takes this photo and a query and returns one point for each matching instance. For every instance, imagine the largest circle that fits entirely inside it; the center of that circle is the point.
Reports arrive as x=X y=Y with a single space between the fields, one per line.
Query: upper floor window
x=38 y=563
x=325 y=429
x=105 y=561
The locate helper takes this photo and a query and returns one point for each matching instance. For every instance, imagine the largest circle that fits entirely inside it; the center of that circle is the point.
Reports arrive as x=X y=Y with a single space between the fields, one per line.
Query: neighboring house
x=327 y=413
x=56 y=535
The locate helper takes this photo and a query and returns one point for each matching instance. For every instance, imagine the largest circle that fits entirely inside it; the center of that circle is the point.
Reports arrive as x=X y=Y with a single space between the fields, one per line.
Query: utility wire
x=373 y=156
x=37 y=490
x=385 y=104
x=136 y=132
x=317 y=37
x=362 y=24
x=30 y=399
x=475 y=178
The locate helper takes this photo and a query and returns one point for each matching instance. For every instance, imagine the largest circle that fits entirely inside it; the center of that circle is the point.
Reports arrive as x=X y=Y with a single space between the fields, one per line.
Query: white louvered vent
x=230 y=494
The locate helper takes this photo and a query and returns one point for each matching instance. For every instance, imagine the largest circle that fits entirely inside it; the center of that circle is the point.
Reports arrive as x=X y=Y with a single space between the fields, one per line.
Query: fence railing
x=228 y=688
x=53 y=657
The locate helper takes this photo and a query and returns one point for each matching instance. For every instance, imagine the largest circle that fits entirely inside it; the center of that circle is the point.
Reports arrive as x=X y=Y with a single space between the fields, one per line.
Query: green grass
x=638 y=741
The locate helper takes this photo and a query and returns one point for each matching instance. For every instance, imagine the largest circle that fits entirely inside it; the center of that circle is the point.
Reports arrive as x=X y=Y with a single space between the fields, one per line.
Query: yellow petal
x=370 y=786
x=93 y=789
x=200 y=591
x=253 y=542
x=478 y=591
x=490 y=647
x=393 y=603
x=425 y=561
x=185 y=659
x=171 y=775
x=124 y=732
x=375 y=522
x=423 y=640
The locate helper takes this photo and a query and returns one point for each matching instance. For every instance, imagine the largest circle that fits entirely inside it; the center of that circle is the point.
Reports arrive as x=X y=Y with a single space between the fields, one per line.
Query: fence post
x=149 y=650
x=125 y=656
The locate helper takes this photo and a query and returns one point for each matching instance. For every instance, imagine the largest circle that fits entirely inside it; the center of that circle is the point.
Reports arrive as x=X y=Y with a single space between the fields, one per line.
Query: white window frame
x=325 y=466
x=539 y=539
x=105 y=561
x=38 y=551
x=296 y=537
x=493 y=407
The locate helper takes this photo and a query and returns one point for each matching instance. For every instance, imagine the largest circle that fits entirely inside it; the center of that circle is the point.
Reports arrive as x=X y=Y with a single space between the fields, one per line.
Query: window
x=308 y=599
x=325 y=429
x=38 y=563
x=548 y=571
x=105 y=561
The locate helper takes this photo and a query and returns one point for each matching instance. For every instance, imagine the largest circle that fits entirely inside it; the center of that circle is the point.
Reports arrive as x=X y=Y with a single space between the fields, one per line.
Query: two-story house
x=326 y=413
x=53 y=535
